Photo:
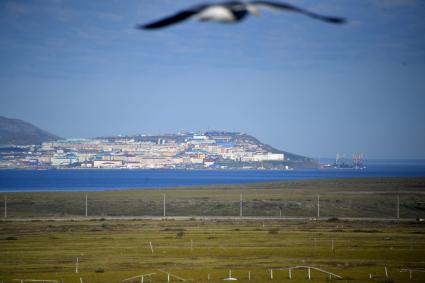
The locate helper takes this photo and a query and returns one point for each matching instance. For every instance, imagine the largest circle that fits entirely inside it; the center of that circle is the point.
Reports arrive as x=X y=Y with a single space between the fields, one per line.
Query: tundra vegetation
x=112 y=250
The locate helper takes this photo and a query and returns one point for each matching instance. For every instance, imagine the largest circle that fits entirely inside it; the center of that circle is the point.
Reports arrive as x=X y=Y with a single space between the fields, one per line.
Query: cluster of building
x=183 y=150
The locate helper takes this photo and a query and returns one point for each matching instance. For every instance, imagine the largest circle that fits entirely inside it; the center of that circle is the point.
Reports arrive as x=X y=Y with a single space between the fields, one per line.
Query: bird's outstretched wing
x=288 y=7
x=178 y=17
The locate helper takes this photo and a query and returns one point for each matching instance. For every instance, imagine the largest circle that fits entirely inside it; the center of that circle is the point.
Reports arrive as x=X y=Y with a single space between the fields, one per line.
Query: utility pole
x=318 y=206
x=240 y=206
x=164 y=205
x=86 y=205
x=5 y=206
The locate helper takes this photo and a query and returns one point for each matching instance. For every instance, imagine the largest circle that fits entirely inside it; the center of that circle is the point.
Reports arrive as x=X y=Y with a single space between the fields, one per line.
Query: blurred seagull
x=232 y=12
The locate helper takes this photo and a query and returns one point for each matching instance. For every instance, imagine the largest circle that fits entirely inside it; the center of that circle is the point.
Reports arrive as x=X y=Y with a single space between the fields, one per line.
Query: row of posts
x=240 y=206
x=132 y=279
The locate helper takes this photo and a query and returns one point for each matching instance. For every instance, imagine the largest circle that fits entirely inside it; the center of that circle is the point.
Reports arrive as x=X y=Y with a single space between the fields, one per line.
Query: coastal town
x=203 y=150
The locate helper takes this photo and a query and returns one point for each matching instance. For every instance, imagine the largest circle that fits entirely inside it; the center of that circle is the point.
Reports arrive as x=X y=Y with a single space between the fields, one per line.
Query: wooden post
x=168 y=277
x=370 y=275
x=386 y=272
x=142 y=279
x=290 y=273
x=81 y=280
x=5 y=206
x=309 y=274
x=209 y=277
x=150 y=244
x=240 y=206
x=398 y=207
x=191 y=245
x=410 y=274
x=318 y=206
x=164 y=205
x=86 y=205
x=76 y=266
x=249 y=275
x=271 y=274
x=332 y=245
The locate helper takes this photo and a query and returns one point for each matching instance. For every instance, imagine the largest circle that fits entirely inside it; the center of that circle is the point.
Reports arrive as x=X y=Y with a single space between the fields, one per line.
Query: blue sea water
x=95 y=180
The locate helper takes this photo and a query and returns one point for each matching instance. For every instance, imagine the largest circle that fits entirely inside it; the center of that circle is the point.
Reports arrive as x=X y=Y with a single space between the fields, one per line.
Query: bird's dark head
x=336 y=20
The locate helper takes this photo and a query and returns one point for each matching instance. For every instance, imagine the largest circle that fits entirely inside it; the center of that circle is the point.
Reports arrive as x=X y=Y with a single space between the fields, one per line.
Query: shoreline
x=218 y=186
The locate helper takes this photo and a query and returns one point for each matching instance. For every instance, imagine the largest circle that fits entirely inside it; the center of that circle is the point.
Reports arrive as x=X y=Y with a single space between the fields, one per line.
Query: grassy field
x=112 y=250
x=194 y=249
x=374 y=197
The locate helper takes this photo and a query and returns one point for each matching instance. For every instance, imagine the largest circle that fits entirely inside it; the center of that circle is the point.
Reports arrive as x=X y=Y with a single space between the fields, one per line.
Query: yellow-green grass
x=48 y=249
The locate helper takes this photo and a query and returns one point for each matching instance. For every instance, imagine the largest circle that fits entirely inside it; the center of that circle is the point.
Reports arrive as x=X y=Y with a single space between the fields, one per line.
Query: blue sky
x=80 y=69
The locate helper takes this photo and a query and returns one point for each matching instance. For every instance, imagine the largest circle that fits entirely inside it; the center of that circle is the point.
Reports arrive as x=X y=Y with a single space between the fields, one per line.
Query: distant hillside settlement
x=214 y=150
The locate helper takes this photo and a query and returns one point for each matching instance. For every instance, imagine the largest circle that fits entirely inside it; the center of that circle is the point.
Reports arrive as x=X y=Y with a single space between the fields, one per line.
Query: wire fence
x=202 y=203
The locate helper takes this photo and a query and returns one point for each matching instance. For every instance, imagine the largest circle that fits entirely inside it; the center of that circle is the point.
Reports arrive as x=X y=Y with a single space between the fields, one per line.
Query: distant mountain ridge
x=18 y=132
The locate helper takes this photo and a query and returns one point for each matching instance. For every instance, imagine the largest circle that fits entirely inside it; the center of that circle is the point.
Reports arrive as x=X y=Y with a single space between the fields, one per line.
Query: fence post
x=318 y=206
x=86 y=206
x=5 y=206
x=164 y=205
x=240 y=206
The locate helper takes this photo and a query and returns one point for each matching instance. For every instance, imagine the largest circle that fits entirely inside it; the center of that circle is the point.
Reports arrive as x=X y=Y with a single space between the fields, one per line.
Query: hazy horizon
x=322 y=159
x=80 y=69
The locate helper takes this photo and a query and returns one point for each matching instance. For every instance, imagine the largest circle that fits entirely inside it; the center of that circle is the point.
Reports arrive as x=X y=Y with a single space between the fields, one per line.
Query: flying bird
x=232 y=12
